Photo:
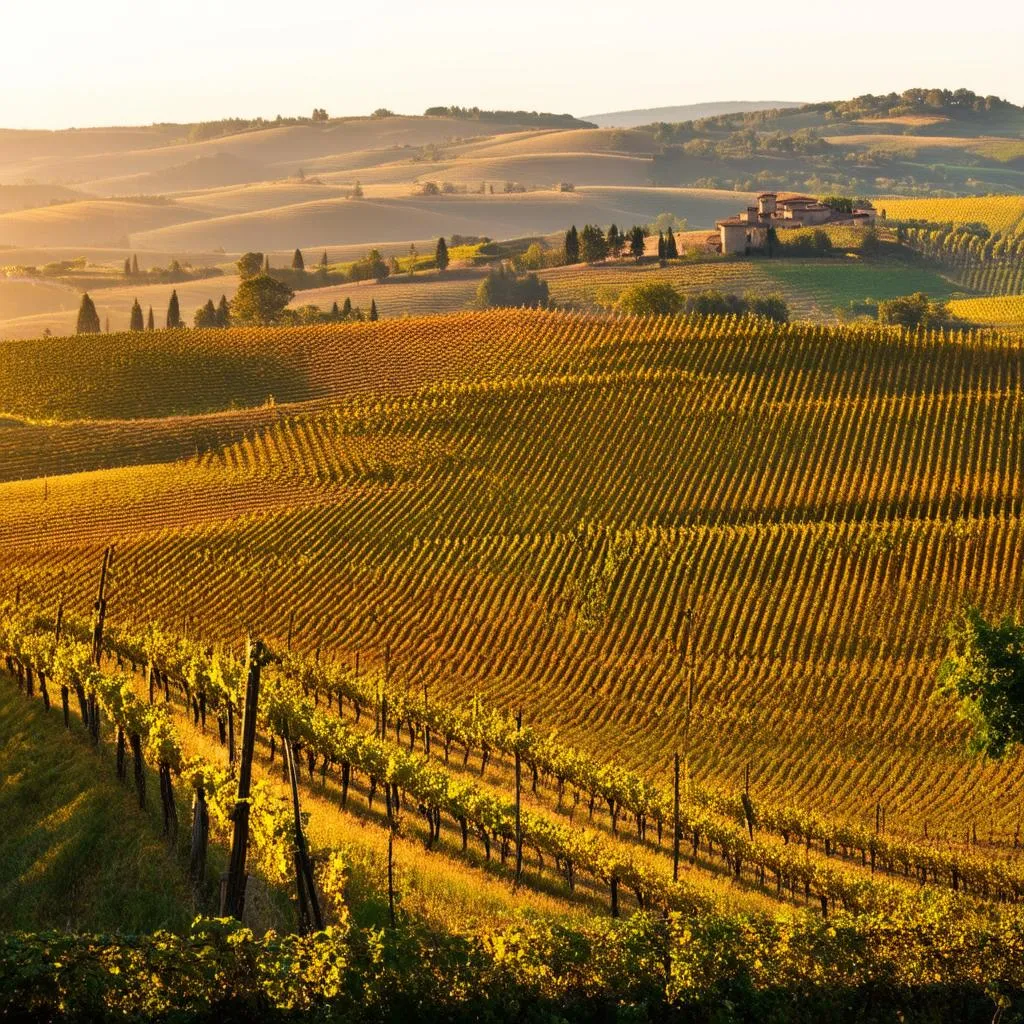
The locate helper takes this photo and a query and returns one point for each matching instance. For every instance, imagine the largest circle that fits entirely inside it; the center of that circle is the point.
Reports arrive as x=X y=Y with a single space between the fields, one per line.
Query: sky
x=67 y=63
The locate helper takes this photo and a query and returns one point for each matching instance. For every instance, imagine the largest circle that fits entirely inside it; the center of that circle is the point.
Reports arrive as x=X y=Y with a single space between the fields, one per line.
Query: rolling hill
x=685 y=112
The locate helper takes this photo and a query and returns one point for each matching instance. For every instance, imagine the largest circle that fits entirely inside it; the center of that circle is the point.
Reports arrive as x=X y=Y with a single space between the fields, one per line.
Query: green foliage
x=657 y=297
x=637 y=242
x=532 y=118
x=984 y=672
x=772 y=307
x=534 y=258
x=592 y=244
x=666 y=222
x=260 y=301
x=441 y=255
x=803 y=242
x=206 y=316
x=250 y=265
x=841 y=204
x=371 y=267
x=572 y=246
x=615 y=241
x=913 y=311
x=661 y=298
x=174 y=320
x=88 y=318
x=502 y=287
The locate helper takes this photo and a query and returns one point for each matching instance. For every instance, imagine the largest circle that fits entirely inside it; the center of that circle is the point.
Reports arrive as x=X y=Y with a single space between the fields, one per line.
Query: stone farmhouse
x=749 y=229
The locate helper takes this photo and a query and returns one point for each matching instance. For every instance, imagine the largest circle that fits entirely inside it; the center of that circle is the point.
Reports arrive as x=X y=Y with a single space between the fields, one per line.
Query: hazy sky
x=67 y=62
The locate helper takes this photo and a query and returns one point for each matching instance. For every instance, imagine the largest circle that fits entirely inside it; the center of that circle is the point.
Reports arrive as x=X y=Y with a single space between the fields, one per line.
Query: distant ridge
x=688 y=112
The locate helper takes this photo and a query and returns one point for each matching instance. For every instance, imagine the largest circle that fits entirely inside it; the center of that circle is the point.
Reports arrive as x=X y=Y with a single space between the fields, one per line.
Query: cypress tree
x=614 y=241
x=572 y=245
x=373 y=310
x=135 y=265
x=661 y=245
x=335 y=312
x=206 y=316
x=223 y=312
x=88 y=318
x=671 y=249
x=173 y=312
x=346 y=309
x=441 y=255
x=150 y=322
x=298 y=263
x=266 y=265
x=323 y=261
x=636 y=242
x=127 y=267
x=136 y=320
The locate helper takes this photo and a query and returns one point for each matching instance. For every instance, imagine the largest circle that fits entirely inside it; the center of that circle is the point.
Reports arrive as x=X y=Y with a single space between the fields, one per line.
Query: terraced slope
x=534 y=529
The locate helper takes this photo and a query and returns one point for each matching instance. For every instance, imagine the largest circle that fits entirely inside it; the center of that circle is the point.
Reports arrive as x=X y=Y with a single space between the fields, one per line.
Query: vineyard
x=1002 y=214
x=710 y=562
x=813 y=288
x=1006 y=310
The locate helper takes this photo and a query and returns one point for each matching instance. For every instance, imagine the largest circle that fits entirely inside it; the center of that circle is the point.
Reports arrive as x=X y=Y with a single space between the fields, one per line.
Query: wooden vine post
x=233 y=893
x=426 y=722
x=310 y=917
x=688 y=616
x=748 y=806
x=64 y=692
x=97 y=639
x=391 y=876
x=200 y=837
x=519 y=797
x=675 y=822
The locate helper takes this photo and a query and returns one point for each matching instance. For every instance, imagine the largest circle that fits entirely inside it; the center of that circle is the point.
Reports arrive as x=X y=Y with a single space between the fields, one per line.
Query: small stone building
x=749 y=229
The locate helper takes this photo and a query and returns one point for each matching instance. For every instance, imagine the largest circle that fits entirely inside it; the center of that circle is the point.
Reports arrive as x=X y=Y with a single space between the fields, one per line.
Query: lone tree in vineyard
x=441 y=255
x=984 y=673
x=136 y=323
x=88 y=318
x=173 y=312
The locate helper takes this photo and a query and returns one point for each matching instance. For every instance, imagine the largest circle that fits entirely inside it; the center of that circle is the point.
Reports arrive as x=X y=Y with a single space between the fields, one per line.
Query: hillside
x=470 y=552
x=685 y=112
x=195 y=188
x=730 y=539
